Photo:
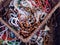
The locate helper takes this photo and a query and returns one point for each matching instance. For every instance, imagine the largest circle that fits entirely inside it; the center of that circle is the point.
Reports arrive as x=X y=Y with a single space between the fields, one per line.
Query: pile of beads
x=26 y=15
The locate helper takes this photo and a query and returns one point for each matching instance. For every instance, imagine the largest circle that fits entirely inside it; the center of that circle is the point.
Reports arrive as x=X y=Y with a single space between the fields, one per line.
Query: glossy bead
x=12 y=35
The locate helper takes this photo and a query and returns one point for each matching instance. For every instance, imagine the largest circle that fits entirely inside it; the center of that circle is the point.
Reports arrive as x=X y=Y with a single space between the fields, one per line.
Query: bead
x=12 y=35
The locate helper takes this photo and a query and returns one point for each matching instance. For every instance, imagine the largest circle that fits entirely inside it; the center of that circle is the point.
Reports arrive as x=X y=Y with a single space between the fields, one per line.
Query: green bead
x=19 y=7
x=16 y=43
x=19 y=1
x=10 y=43
x=1 y=41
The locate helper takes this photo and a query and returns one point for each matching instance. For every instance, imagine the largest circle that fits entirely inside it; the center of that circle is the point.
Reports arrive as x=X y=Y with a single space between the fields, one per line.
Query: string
x=45 y=6
x=2 y=26
x=39 y=3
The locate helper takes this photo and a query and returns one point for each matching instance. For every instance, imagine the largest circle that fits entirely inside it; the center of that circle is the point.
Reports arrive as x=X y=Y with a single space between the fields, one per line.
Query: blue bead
x=12 y=35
